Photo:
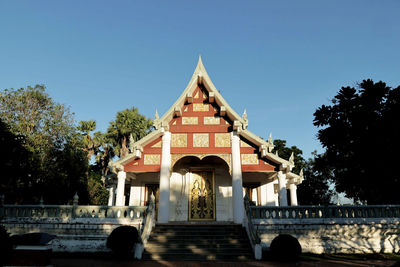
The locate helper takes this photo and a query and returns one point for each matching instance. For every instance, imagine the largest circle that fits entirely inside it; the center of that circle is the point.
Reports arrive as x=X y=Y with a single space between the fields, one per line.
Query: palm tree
x=127 y=122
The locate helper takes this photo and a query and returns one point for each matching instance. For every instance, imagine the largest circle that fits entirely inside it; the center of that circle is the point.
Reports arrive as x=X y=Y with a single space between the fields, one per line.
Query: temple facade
x=200 y=161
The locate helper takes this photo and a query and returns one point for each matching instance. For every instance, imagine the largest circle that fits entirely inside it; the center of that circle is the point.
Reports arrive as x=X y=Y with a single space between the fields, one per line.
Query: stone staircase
x=198 y=242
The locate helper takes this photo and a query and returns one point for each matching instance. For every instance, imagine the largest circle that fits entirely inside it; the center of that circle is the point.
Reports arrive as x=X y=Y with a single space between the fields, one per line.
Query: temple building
x=201 y=160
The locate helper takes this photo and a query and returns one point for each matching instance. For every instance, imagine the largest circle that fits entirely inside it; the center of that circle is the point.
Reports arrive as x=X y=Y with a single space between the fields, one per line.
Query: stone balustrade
x=332 y=229
x=72 y=211
x=321 y=212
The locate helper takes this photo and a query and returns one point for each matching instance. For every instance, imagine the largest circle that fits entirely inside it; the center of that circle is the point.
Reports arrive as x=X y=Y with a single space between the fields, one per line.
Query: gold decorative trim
x=200 y=140
x=152 y=159
x=178 y=140
x=244 y=144
x=212 y=120
x=222 y=140
x=200 y=107
x=225 y=157
x=249 y=159
x=189 y=120
x=158 y=144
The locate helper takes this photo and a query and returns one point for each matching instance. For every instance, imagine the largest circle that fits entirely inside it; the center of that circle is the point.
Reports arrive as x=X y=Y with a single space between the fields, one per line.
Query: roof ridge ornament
x=246 y=121
x=291 y=159
x=301 y=174
x=270 y=143
x=156 y=121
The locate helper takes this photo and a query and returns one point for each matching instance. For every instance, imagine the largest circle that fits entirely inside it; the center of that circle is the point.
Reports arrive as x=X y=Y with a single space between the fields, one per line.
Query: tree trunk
x=124 y=151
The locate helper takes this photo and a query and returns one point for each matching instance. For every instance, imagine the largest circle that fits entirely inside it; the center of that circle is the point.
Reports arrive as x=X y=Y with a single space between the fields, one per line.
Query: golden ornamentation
x=179 y=140
x=189 y=120
x=158 y=144
x=222 y=140
x=152 y=159
x=211 y=120
x=244 y=144
x=200 y=107
x=225 y=157
x=197 y=95
x=200 y=140
x=202 y=198
x=249 y=159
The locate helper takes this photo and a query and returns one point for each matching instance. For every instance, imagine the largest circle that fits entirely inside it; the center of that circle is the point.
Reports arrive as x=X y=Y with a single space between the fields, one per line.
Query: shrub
x=122 y=240
x=5 y=246
x=285 y=248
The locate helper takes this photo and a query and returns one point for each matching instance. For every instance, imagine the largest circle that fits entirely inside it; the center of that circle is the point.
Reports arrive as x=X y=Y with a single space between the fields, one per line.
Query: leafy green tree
x=104 y=154
x=56 y=164
x=32 y=113
x=90 y=144
x=127 y=122
x=285 y=153
x=360 y=131
x=98 y=194
x=14 y=164
x=97 y=145
x=316 y=188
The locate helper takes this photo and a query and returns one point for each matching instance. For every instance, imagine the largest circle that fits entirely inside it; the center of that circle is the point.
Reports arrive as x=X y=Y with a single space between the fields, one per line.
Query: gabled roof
x=200 y=76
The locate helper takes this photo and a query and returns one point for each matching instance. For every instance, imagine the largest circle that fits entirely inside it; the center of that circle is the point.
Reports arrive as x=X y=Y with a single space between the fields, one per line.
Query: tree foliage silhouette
x=360 y=132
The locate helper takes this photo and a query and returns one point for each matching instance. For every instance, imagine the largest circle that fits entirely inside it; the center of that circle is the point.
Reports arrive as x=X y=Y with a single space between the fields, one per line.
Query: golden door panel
x=201 y=196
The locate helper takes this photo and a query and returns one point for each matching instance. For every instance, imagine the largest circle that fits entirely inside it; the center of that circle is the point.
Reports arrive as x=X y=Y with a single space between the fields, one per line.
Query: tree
x=127 y=122
x=14 y=164
x=285 y=152
x=314 y=189
x=360 y=132
x=90 y=144
x=56 y=163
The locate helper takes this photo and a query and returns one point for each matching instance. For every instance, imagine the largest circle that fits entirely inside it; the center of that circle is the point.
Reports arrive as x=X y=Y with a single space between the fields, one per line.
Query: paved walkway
x=67 y=262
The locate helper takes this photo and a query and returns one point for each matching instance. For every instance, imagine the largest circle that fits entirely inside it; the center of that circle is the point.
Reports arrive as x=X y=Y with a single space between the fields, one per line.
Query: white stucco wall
x=359 y=235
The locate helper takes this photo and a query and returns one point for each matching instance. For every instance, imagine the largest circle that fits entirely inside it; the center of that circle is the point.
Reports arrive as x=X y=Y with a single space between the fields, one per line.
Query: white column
x=293 y=194
x=111 y=193
x=254 y=196
x=134 y=196
x=237 y=185
x=163 y=206
x=282 y=189
x=121 y=189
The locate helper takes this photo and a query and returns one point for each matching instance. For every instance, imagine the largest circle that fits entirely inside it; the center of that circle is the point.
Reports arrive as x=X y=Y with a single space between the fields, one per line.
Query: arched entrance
x=200 y=189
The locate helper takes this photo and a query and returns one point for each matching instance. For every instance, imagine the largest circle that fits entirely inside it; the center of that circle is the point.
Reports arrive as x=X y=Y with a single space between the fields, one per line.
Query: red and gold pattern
x=200 y=130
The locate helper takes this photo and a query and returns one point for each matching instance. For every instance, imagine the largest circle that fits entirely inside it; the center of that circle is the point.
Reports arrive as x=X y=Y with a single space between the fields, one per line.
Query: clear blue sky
x=278 y=59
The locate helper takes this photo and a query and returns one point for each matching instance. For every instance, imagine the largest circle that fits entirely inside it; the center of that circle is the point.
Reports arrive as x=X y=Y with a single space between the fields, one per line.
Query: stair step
x=195 y=257
x=197 y=245
x=198 y=242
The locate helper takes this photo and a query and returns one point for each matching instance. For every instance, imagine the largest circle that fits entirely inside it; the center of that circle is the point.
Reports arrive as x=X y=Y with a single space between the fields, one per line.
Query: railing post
x=75 y=205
